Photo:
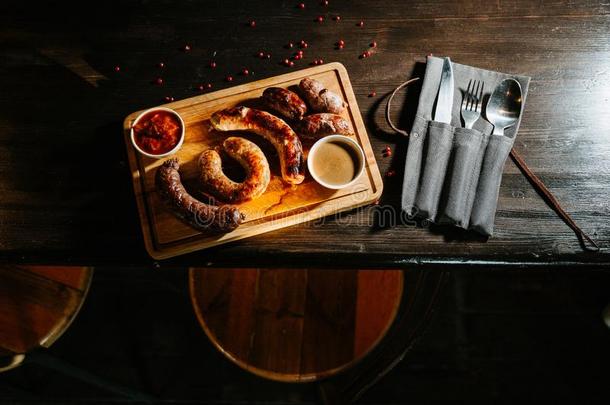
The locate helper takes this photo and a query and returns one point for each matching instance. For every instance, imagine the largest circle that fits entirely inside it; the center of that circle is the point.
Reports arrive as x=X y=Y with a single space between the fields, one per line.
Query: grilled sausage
x=316 y=126
x=199 y=215
x=250 y=157
x=321 y=99
x=285 y=102
x=272 y=128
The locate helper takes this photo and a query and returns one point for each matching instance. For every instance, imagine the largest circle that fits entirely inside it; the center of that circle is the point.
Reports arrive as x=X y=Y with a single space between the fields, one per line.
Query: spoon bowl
x=504 y=105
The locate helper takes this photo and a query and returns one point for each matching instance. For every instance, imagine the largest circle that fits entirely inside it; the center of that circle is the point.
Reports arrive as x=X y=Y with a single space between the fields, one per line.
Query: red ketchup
x=157 y=132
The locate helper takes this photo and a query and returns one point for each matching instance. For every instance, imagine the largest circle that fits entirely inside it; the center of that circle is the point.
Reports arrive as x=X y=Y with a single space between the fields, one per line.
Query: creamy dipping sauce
x=336 y=163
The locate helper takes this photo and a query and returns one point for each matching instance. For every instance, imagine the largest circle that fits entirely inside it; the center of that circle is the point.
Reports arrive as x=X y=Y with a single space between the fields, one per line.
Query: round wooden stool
x=37 y=304
x=295 y=325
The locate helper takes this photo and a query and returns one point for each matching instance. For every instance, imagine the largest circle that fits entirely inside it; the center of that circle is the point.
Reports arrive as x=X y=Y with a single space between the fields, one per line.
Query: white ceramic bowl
x=178 y=145
x=348 y=142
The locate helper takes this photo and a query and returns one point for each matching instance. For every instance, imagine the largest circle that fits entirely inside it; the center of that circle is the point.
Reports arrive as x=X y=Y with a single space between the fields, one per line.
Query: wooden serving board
x=281 y=205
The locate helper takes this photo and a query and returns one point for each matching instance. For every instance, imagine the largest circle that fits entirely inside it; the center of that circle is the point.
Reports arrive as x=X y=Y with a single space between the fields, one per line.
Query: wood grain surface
x=37 y=304
x=295 y=326
x=66 y=192
x=281 y=205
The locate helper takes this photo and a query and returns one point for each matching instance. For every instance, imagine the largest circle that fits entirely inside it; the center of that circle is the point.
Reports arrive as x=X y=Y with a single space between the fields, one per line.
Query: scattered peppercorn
x=229 y=78
x=252 y=23
x=387 y=152
x=360 y=24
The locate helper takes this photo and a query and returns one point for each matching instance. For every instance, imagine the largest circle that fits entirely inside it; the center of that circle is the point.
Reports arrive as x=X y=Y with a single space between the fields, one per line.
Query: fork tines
x=474 y=94
x=471 y=104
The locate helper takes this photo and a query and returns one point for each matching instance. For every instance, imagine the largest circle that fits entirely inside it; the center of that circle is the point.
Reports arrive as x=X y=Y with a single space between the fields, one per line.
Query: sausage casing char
x=321 y=99
x=316 y=126
x=250 y=157
x=272 y=128
x=199 y=215
x=285 y=102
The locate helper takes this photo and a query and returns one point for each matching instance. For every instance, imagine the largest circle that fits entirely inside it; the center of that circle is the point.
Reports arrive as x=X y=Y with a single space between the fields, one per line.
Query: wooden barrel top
x=38 y=303
x=295 y=325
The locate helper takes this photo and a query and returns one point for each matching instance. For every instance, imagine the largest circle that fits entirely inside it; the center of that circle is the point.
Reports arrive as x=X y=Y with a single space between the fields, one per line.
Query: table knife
x=439 y=148
x=444 y=102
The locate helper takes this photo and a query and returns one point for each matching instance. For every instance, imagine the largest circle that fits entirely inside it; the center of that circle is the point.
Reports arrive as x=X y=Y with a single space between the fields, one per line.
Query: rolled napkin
x=466 y=164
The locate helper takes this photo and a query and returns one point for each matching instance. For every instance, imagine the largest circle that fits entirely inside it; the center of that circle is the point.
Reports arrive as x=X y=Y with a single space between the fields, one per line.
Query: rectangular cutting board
x=281 y=205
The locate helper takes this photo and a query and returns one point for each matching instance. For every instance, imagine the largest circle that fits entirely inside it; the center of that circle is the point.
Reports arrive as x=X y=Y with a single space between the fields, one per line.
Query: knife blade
x=444 y=103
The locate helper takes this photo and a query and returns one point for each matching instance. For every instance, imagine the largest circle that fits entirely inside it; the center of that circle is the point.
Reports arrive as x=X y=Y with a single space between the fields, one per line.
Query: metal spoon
x=503 y=110
x=504 y=105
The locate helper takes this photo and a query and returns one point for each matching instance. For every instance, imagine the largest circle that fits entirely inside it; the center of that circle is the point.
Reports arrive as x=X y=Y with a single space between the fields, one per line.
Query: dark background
x=497 y=335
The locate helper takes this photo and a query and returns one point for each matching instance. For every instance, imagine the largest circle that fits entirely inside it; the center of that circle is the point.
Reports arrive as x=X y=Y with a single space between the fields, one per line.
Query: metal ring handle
x=16 y=361
x=389 y=106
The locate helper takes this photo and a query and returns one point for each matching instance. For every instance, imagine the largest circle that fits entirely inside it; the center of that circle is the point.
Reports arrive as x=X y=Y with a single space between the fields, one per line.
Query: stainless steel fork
x=471 y=104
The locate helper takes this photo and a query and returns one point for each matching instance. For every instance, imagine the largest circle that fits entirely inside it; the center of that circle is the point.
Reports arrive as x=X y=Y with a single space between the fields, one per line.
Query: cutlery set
x=452 y=172
x=455 y=158
x=503 y=107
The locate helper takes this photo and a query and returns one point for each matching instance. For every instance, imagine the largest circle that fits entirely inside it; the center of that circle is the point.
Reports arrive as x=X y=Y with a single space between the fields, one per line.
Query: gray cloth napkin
x=453 y=174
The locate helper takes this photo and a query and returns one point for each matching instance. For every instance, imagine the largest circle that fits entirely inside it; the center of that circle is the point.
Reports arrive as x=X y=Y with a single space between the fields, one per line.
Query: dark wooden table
x=66 y=193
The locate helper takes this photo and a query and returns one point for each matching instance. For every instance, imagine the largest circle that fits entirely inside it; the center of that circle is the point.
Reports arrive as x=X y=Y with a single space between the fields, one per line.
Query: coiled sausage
x=250 y=157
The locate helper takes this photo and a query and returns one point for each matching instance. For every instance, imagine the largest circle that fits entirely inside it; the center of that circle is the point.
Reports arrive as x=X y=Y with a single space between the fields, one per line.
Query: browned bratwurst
x=285 y=102
x=247 y=154
x=272 y=128
x=199 y=215
x=321 y=99
x=316 y=126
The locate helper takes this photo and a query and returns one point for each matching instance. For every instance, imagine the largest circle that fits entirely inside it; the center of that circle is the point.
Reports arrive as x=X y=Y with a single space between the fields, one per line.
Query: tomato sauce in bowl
x=158 y=132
